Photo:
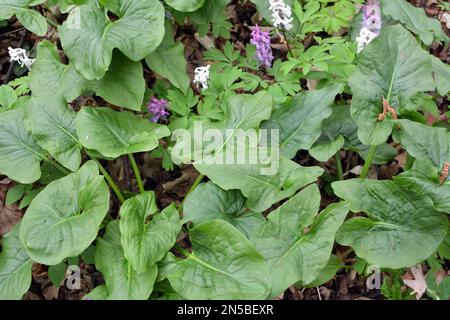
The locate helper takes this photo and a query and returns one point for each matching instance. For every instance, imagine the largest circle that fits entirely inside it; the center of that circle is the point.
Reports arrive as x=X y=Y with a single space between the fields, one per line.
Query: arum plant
x=264 y=146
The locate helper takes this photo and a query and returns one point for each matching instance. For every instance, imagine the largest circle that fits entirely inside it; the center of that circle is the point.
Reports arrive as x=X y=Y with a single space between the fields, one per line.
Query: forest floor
x=173 y=186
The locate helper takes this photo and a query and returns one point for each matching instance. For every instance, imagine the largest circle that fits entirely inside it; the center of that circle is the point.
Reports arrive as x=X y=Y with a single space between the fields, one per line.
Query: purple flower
x=158 y=108
x=261 y=40
x=372 y=16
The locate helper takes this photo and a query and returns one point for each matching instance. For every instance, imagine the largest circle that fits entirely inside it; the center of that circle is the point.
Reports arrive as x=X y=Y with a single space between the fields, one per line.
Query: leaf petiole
x=136 y=173
x=110 y=181
x=368 y=163
x=196 y=183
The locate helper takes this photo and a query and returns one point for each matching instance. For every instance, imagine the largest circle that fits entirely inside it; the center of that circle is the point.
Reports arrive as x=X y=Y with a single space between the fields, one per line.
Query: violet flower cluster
x=372 y=16
x=371 y=24
x=158 y=109
x=261 y=40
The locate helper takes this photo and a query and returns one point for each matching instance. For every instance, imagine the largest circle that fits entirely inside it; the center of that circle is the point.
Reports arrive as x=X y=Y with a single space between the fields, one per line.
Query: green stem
x=136 y=173
x=196 y=183
x=110 y=181
x=368 y=163
x=340 y=173
x=182 y=251
x=51 y=22
x=57 y=166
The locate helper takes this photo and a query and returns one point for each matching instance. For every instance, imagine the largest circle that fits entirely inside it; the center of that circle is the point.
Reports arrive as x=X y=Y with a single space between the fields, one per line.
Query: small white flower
x=365 y=37
x=202 y=76
x=281 y=14
x=20 y=55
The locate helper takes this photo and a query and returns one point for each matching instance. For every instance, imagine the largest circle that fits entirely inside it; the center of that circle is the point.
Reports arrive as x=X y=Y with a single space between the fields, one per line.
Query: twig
x=11 y=66
x=11 y=32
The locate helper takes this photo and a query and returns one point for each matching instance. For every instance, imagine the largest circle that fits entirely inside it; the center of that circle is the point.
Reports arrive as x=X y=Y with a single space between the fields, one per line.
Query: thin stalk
x=181 y=250
x=57 y=166
x=194 y=185
x=340 y=173
x=287 y=42
x=110 y=181
x=52 y=23
x=137 y=174
x=368 y=163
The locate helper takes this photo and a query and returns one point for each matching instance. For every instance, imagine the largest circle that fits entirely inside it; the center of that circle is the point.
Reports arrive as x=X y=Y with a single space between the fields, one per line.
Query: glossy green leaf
x=169 y=61
x=185 y=5
x=389 y=66
x=29 y=18
x=300 y=120
x=20 y=155
x=242 y=112
x=402 y=228
x=208 y=202
x=262 y=185
x=123 y=84
x=122 y=281
x=419 y=183
x=145 y=243
x=223 y=265
x=63 y=219
x=7 y=96
x=326 y=274
x=325 y=150
x=52 y=124
x=291 y=253
x=89 y=37
x=415 y=20
x=441 y=73
x=15 y=267
x=114 y=133
x=424 y=142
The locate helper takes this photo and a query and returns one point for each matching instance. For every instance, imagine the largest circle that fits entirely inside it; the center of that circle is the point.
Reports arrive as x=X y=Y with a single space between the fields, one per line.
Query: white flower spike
x=365 y=37
x=281 y=14
x=202 y=76
x=20 y=55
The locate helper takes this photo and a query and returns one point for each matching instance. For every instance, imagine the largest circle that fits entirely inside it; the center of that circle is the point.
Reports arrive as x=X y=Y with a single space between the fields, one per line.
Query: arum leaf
x=186 y=5
x=294 y=254
x=263 y=183
x=145 y=243
x=52 y=124
x=323 y=151
x=89 y=45
x=339 y=124
x=424 y=142
x=15 y=267
x=418 y=183
x=122 y=281
x=402 y=228
x=114 y=133
x=388 y=67
x=235 y=161
x=208 y=202
x=300 y=120
x=441 y=73
x=242 y=112
x=29 y=18
x=20 y=155
x=7 y=96
x=326 y=274
x=415 y=20
x=223 y=265
x=123 y=84
x=63 y=219
x=169 y=61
